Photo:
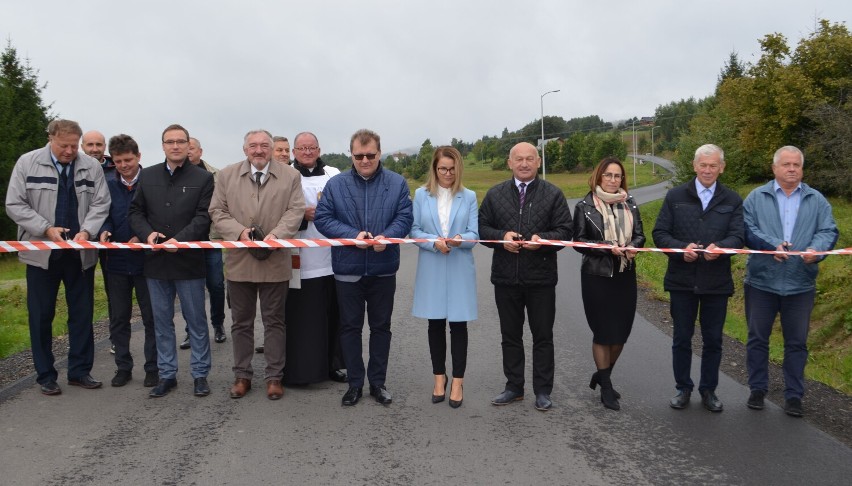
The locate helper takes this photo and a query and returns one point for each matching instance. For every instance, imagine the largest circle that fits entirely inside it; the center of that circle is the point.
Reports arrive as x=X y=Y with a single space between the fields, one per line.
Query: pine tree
x=23 y=121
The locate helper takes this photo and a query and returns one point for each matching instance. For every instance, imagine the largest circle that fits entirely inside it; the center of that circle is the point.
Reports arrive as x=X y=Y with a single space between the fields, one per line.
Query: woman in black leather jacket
x=608 y=215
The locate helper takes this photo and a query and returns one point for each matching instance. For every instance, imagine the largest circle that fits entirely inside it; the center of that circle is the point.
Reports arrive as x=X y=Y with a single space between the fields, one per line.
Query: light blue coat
x=445 y=285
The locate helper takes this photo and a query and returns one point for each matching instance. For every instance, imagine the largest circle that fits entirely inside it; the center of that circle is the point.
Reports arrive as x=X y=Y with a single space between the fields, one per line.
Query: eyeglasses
x=306 y=149
x=446 y=170
x=612 y=177
x=175 y=142
x=361 y=156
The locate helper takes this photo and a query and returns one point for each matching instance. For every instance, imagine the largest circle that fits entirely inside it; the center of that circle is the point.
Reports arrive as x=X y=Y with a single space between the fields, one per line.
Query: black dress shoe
x=51 y=388
x=151 y=379
x=200 y=387
x=755 y=400
x=543 y=402
x=339 y=376
x=381 y=394
x=711 y=401
x=121 y=378
x=507 y=397
x=793 y=407
x=440 y=398
x=86 y=382
x=681 y=400
x=351 y=396
x=219 y=335
x=164 y=386
x=185 y=344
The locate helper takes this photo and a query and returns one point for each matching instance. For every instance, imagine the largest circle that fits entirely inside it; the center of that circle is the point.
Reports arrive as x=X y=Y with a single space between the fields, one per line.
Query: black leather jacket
x=588 y=227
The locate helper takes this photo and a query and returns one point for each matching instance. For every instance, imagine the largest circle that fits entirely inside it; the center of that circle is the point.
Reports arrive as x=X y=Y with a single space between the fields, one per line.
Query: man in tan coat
x=256 y=200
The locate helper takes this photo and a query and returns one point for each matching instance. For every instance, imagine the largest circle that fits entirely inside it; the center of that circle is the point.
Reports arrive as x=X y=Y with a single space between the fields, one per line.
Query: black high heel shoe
x=593 y=384
x=457 y=403
x=440 y=398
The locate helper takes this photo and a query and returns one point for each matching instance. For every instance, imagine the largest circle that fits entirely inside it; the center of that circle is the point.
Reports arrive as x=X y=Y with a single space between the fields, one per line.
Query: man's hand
x=245 y=235
x=711 y=256
x=154 y=238
x=83 y=235
x=55 y=233
x=270 y=236
x=810 y=258
x=310 y=211
x=511 y=245
x=690 y=256
x=379 y=248
x=530 y=245
x=104 y=236
x=170 y=241
x=780 y=257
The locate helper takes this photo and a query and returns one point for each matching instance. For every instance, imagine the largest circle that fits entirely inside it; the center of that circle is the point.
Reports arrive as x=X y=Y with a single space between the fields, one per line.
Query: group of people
x=313 y=302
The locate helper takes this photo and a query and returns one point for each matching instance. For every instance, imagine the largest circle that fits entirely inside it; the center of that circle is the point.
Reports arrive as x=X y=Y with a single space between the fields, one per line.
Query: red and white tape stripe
x=18 y=246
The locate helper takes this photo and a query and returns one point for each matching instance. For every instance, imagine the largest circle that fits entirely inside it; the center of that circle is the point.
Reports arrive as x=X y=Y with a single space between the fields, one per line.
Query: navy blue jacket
x=125 y=262
x=682 y=221
x=380 y=205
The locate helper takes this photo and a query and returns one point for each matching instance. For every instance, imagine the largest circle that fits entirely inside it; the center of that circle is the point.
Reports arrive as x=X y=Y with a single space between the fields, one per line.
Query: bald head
x=93 y=144
x=524 y=161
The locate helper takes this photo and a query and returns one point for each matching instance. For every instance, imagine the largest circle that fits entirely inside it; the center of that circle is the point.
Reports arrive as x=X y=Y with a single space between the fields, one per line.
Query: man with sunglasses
x=366 y=202
x=57 y=193
x=171 y=205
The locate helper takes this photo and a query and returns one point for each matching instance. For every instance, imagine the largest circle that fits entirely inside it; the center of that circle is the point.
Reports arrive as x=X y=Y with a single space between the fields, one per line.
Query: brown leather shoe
x=240 y=388
x=274 y=390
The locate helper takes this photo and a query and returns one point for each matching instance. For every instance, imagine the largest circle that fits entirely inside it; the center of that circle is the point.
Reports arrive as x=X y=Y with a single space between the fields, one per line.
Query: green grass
x=478 y=177
x=14 y=327
x=830 y=337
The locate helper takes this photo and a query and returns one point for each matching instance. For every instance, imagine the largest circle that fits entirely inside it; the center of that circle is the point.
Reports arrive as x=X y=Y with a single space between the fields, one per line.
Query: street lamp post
x=543 y=158
x=653 y=167
x=634 y=153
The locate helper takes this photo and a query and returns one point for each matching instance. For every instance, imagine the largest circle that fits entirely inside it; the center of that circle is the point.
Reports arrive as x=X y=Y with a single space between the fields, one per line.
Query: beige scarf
x=617 y=218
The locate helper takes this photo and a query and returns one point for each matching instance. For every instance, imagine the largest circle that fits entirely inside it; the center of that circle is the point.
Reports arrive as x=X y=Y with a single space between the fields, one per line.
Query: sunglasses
x=361 y=156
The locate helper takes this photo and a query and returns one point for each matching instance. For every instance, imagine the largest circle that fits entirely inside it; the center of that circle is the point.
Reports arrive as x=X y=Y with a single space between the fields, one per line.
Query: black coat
x=176 y=206
x=682 y=221
x=545 y=213
x=588 y=228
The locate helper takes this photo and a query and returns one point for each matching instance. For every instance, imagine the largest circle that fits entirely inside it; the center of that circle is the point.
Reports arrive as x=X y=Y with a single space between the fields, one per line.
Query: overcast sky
x=409 y=70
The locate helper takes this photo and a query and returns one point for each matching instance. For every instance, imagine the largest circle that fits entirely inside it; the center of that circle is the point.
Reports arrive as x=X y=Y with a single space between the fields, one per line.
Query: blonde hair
x=451 y=153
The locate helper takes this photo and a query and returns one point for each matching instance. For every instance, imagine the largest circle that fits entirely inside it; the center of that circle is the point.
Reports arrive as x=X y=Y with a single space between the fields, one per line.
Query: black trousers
x=540 y=305
x=375 y=296
x=121 y=289
x=42 y=291
x=438 y=346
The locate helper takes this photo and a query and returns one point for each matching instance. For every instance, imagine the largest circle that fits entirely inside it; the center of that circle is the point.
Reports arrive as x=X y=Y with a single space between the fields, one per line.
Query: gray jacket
x=31 y=201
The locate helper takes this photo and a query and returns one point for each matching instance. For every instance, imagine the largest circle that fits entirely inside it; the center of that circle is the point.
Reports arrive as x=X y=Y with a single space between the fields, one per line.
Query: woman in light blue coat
x=445 y=285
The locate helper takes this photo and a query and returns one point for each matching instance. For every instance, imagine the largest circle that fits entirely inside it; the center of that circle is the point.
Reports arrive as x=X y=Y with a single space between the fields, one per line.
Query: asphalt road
x=120 y=436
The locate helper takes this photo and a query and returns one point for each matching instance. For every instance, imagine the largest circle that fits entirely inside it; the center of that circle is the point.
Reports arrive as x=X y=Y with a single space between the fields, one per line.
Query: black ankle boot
x=608 y=395
x=596 y=380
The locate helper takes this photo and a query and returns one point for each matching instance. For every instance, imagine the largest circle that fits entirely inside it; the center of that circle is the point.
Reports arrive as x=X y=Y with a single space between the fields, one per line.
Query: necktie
x=706 y=195
x=523 y=193
x=257 y=176
x=64 y=175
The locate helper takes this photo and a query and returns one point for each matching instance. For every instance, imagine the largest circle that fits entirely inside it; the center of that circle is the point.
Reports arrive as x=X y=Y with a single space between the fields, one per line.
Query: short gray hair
x=304 y=134
x=252 y=132
x=709 y=149
x=195 y=141
x=787 y=148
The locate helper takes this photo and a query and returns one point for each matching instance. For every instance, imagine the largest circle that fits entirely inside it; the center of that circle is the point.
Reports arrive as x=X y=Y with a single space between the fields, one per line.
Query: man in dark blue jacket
x=125 y=266
x=367 y=202
x=701 y=214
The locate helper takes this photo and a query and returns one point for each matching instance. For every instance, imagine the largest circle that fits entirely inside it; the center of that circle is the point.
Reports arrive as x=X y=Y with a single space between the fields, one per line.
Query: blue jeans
x=375 y=295
x=761 y=307
x=191 y=294
x=711 y=310
x=42 y=291
x=215 y=282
